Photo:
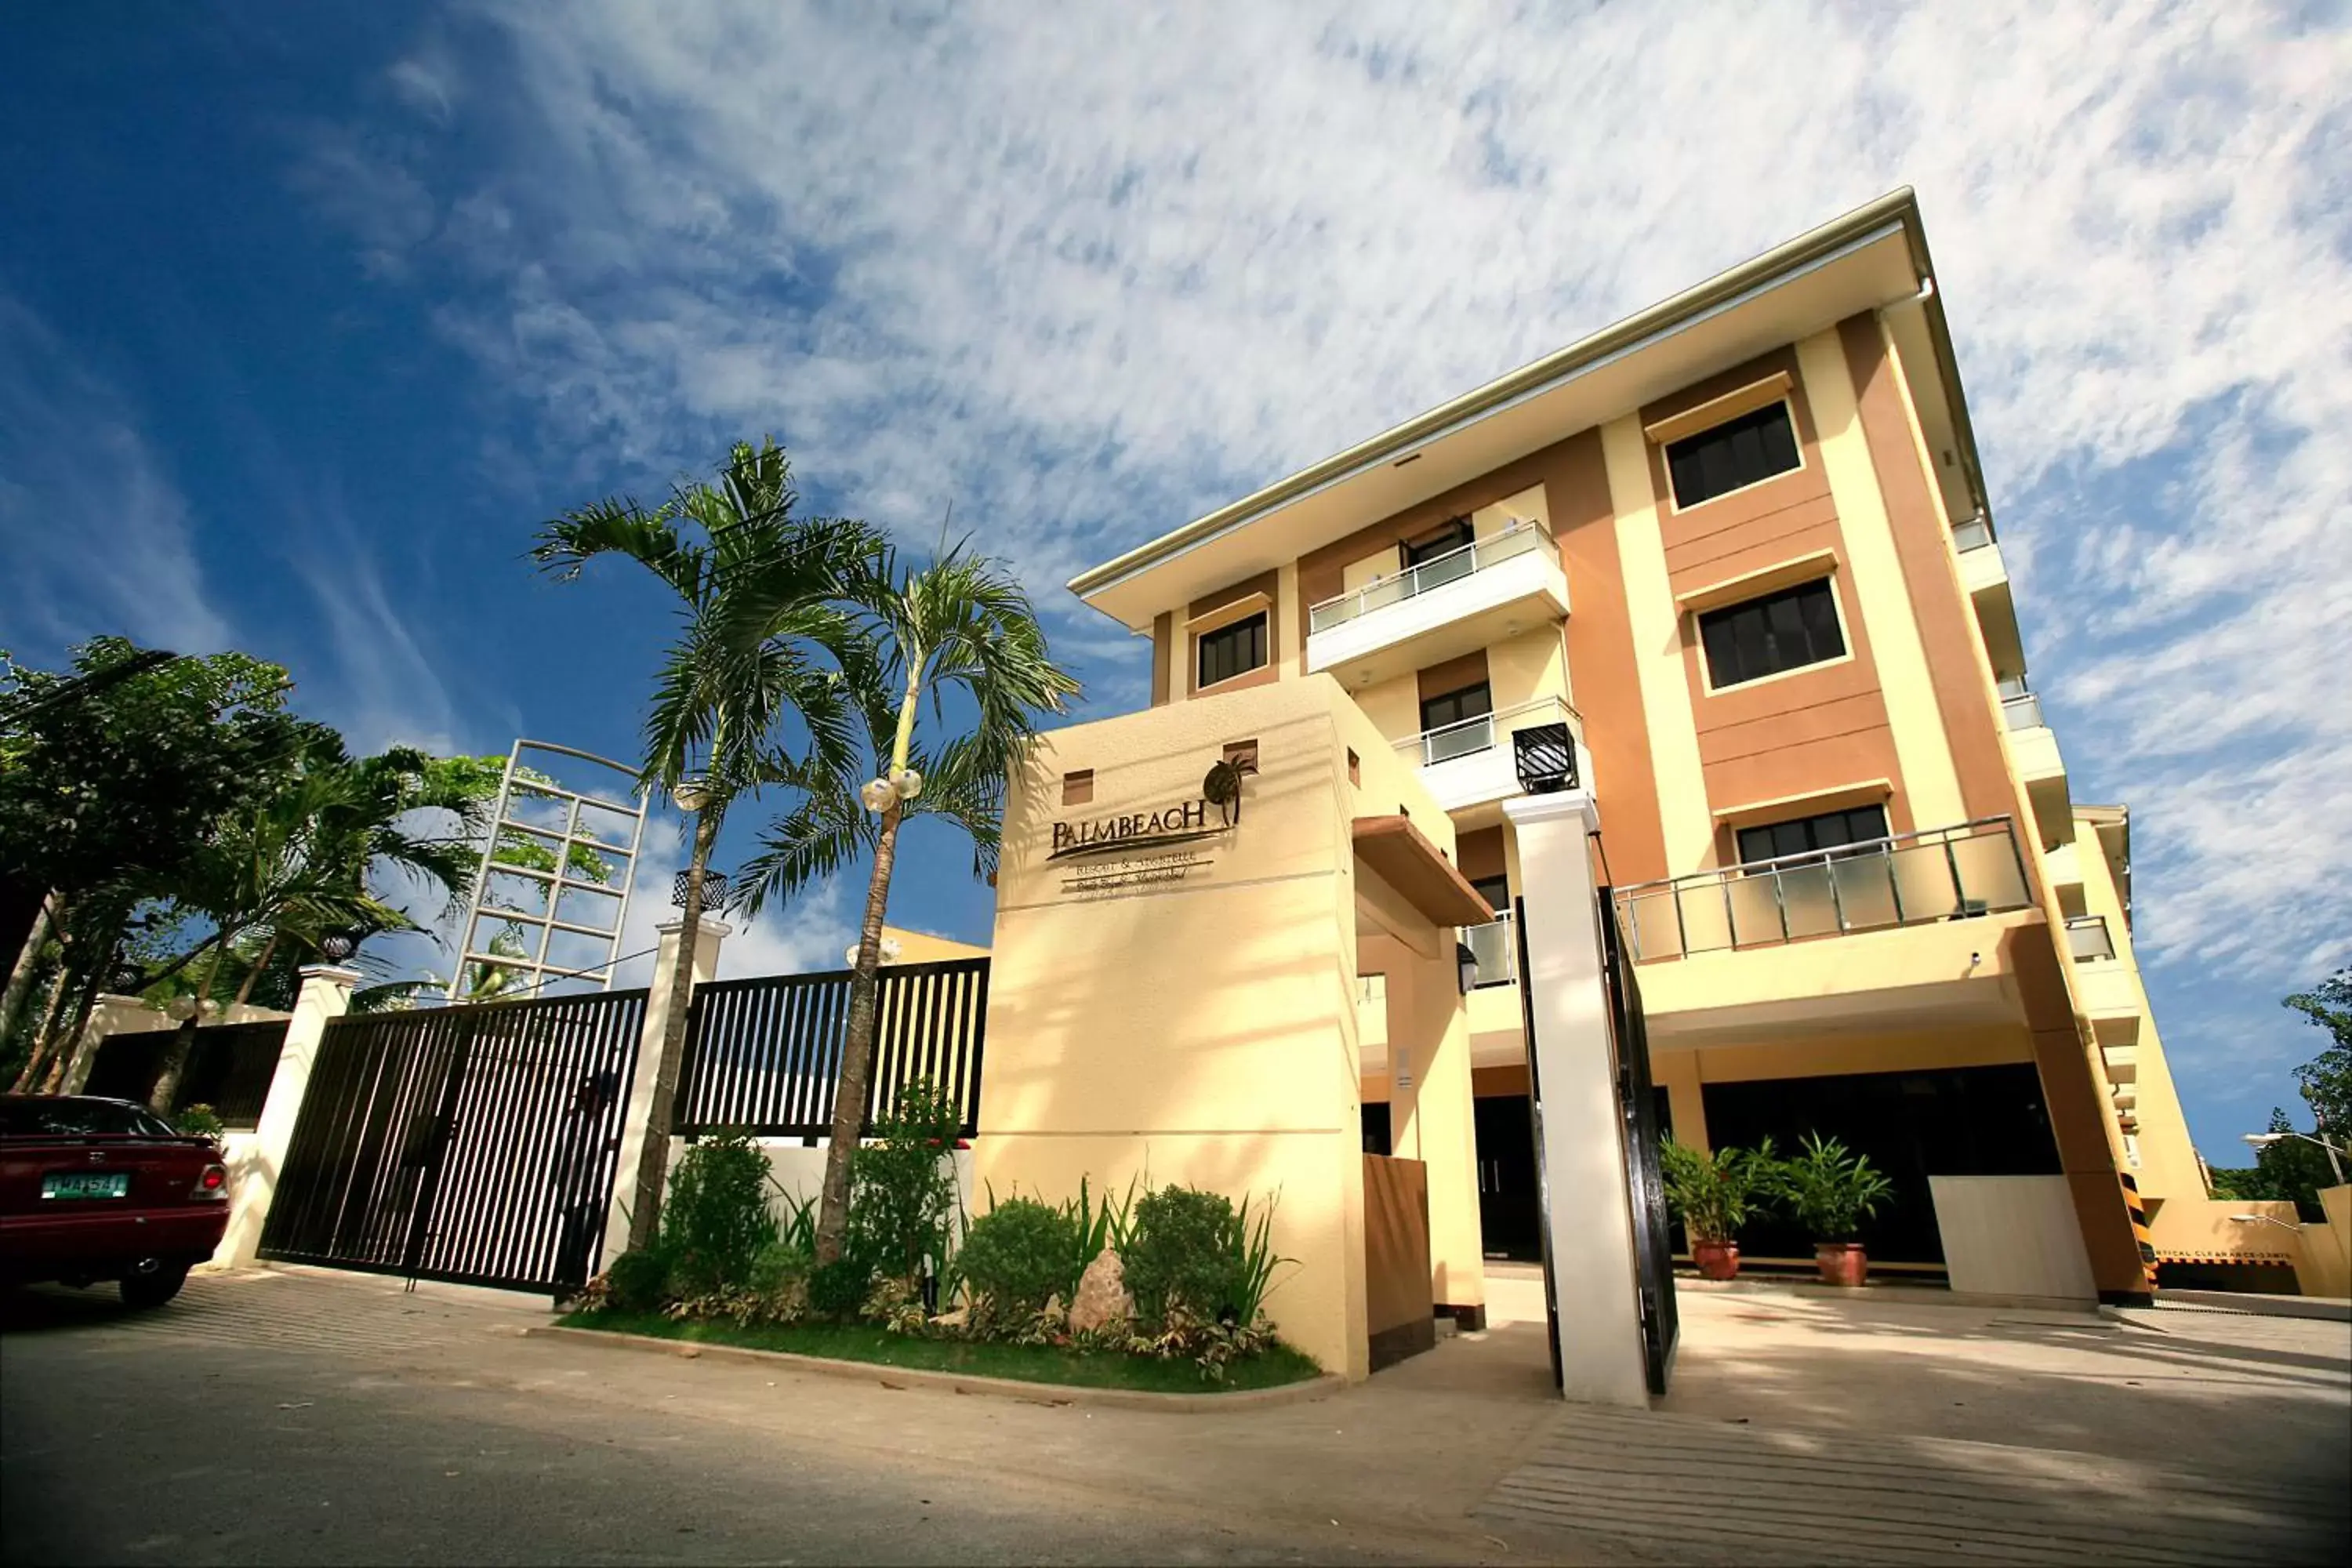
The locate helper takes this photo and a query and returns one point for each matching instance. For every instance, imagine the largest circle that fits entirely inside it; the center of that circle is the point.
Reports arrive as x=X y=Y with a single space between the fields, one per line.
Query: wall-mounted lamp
x=1466 y=966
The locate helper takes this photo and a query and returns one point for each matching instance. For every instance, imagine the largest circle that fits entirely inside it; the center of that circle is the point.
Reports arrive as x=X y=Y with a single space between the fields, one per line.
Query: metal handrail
x=1898 y=880
x=1496 y=727
x=1517 y=537
x=1973 y=533
x=2023 y=711
x=1497 y=950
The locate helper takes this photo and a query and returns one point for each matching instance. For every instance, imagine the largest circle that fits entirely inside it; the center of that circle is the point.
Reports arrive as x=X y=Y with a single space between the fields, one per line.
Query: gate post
x=644 y=1119
x=326 y=996
x=1592 y=1271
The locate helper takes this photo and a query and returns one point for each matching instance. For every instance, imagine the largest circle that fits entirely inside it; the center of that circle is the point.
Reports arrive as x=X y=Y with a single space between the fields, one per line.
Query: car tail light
x=213 y=1184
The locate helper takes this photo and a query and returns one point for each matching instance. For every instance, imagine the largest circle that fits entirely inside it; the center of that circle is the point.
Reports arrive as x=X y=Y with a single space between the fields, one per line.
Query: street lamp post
x=2260 y=1141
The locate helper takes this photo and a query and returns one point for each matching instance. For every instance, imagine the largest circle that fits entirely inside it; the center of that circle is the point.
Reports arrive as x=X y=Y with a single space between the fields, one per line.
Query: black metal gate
x=1654 y=1256
x=475 y=1144
x=229 y=1067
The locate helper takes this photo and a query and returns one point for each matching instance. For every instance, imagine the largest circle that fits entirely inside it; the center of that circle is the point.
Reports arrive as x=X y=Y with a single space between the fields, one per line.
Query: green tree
x=2327 y=1080
x=108 y=785
x=723 y=703
x=960 y=628
x=2289 y=1170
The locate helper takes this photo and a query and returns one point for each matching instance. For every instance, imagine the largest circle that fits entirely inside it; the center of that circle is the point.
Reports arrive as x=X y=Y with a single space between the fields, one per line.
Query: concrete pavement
x=283 y=1418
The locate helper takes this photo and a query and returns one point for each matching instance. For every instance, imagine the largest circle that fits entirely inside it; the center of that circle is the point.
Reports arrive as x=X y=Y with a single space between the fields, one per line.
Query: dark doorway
x=1950 y=1121
x=1510 y=1218
x=1376 y=1127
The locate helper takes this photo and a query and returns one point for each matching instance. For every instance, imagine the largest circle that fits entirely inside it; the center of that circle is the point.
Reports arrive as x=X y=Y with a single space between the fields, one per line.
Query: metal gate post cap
x=708 y=927
x=333 y=973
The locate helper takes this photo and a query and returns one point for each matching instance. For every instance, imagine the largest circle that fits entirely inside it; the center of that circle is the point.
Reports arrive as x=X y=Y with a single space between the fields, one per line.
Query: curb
x=897 y=1377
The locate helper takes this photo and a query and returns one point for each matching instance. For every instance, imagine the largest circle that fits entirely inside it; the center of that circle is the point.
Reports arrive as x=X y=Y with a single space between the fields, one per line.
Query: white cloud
x=804 y=935
x=96 y=532
x=1090 y=274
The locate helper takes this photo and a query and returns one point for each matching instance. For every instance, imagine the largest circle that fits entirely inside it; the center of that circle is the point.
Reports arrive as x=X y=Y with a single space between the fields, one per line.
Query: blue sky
x=309 y=314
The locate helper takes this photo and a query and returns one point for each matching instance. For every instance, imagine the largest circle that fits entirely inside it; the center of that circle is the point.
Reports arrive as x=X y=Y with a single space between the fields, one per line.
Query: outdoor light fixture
x=182 y=1008
x=714 y=889
x=2263 y=1219
x=127 y=980
x=335 y=947
x=1466 y=966
x=692 y=791
x=1545 y=758
x=2264 y=1140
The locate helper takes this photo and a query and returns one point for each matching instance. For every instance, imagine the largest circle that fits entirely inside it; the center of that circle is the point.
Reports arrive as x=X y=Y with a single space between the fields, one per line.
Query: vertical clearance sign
x=1141 y=849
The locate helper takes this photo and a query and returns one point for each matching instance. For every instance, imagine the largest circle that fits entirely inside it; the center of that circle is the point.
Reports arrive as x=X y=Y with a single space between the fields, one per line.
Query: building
x=1734 y=559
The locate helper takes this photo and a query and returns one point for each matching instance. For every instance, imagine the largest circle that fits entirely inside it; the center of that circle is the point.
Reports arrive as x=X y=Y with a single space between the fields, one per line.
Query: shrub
x=198 y=1121
x=1092 y=1227
x=636 y=1282
x=778 y=1268
x=1182 y=1254
x=839 y=1288
x=717 y=1218
x=1018 y=1254
x=902 y=1183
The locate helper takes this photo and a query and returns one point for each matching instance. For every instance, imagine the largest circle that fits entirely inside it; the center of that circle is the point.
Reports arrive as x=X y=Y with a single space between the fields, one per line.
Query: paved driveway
x=292 y=1417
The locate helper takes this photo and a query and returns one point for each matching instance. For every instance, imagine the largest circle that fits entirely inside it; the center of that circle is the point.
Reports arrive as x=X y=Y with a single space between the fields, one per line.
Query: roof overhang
x=1407 y=861
x=1872 y=257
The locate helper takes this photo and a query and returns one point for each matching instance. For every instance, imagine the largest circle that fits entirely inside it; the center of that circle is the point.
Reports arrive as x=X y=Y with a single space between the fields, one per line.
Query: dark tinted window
x=45 y=1117
x=1735 y=453
x=1444 y=542
x=1469 y=702
x=1496 y=891
x=1827 y=831
x=1233 y=651
x=1787 y=630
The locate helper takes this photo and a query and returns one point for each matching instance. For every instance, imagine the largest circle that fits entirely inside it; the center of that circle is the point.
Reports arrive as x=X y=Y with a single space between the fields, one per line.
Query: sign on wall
x=1138 y=849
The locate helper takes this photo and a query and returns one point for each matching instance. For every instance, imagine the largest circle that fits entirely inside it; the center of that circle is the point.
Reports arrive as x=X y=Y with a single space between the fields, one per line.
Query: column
x=1432 y=1118
x=326 y=996
x=641 y=1124
x=1588 y=1212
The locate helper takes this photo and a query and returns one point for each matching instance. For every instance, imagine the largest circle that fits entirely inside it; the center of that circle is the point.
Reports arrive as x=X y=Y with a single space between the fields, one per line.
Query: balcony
x=1985 y=575
x=1476 y=763
x=1496 y=945
x=1440 y=608
x=2040 y=766
x=2087 y=938
x=1910 y=878
x=2109 y=991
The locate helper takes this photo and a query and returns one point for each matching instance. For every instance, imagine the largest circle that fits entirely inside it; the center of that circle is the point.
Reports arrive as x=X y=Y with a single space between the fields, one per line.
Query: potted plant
x=1712 y=1194
x=1830 y=1191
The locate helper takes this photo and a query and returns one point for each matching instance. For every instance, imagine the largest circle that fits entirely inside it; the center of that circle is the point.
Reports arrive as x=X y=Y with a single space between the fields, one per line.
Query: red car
x=102 y=1189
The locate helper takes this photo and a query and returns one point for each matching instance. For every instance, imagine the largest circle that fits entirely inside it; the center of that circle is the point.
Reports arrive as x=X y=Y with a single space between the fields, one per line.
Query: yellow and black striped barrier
x=2139 y=1226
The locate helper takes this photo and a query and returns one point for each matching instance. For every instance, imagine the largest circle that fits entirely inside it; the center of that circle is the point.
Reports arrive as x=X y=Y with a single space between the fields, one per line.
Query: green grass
x=1027 y=1364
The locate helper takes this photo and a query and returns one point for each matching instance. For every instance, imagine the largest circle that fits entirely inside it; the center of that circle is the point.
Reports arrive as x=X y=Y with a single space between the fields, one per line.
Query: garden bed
x=1275 y=1367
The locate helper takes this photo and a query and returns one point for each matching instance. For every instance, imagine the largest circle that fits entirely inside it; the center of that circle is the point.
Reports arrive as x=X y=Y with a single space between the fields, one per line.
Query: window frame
x=1677 y=505
x=1261 y=619
x=1485 y=685
x=1823 y=854
x=1455 y=533
x=1827 y=580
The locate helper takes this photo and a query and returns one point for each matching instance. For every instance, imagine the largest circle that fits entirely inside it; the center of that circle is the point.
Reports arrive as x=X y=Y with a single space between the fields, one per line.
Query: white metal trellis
x=538 y=783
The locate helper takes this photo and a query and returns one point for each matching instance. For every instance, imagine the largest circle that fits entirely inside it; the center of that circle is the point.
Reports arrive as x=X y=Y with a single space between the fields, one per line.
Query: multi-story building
x=1735 y=557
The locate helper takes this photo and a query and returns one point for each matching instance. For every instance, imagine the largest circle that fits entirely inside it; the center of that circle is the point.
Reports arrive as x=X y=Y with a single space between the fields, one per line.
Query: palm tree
x=720 y=701
x=960 y=625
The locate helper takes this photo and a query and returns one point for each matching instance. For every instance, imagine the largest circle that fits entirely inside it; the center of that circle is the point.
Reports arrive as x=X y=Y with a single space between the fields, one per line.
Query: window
x=1787 y=630
x=1732 y=455
x=1827 y=831
x=1496 y=890
x=1444 y=542
x=1231 y=651
x=1469 y=702
x=1355 y=767
x=52 y=1116
x=1078 y=788
x=1242 y=754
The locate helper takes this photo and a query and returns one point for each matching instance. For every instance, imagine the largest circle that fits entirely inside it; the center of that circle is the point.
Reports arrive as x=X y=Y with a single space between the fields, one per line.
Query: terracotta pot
x=1717 y=1260
x=1842 y=1262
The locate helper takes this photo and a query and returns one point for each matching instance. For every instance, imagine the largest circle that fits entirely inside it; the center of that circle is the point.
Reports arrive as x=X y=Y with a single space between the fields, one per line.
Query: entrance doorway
x=1510 y=1220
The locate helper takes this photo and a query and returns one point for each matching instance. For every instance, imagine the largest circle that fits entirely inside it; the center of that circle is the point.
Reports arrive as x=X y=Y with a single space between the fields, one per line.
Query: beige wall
x=1202 y=1030
x=923 y=947
x=1432 y=1120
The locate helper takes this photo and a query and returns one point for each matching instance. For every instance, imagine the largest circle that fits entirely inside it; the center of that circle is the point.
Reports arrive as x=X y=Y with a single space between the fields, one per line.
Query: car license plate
x=86 y=1184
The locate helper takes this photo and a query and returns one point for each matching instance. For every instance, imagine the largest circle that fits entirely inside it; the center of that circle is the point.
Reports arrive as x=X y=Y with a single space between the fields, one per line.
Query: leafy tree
x=722 y=702
x=2327 y=1080
x=961 y=625
x=2289 y=1170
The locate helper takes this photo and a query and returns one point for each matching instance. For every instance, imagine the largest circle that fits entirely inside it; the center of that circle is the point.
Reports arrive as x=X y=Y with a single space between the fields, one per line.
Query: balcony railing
x=1496 y=946
x=1516 y=538
x=2087 y=938
x=2023 y=711
x=1972 y=533
x=1909 y=878
x=1470 y=736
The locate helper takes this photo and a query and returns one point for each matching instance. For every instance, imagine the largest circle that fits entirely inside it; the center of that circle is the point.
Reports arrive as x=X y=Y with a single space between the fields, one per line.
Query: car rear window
x=78 y=1117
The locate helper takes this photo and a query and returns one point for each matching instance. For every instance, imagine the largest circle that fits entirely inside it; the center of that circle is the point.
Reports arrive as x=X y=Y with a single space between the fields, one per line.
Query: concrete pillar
x=1588 y=1211
x=255 y=1163
x=1432 y=1118
x=637 y=1125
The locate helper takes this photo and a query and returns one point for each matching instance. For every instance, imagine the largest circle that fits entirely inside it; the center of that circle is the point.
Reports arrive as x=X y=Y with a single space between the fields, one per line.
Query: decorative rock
x=1103 y=1297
